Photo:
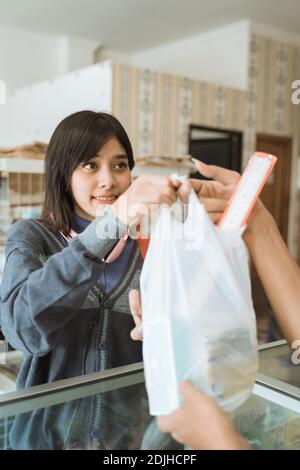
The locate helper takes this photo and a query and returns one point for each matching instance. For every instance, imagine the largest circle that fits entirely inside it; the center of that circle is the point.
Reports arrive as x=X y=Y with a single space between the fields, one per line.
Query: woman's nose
x=105 y=178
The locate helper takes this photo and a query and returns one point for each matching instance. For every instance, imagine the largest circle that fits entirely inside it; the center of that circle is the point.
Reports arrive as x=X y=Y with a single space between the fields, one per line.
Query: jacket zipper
x=104 y=307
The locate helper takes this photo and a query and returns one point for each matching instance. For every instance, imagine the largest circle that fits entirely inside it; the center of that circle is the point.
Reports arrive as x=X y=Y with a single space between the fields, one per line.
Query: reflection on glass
x=276 y=362
x=10 y=364
x=267 y=425
x=117 y=419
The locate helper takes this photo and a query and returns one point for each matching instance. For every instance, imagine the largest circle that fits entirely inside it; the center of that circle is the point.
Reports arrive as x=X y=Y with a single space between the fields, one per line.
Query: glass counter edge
x=61 y=391
x=65 y=390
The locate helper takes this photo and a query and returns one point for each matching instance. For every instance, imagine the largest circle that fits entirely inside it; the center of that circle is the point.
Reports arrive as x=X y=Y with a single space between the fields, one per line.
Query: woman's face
x=101 y=180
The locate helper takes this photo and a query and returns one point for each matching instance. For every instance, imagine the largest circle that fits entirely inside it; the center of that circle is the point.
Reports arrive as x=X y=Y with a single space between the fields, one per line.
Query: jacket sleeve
x=39 y=298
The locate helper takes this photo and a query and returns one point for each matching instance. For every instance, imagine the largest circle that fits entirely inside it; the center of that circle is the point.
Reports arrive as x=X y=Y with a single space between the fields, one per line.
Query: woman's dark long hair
x=77 y=139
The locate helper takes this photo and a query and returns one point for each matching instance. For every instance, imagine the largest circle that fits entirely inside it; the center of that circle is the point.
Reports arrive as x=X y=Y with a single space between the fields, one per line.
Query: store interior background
x=159 y=67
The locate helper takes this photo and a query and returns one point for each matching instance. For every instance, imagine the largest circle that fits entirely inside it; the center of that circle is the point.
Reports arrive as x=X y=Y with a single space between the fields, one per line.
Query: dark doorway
x=276 y=193
x=216 y=146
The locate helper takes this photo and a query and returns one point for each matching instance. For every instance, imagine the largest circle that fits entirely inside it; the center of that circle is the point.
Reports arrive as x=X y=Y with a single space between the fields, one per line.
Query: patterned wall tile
x=273 y=66
x=249 y=141
x=185 y=113
x=156 y=108
x=146 y=113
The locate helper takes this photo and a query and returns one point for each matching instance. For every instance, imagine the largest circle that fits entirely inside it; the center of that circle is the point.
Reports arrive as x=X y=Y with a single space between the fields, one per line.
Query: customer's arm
x=277 y=270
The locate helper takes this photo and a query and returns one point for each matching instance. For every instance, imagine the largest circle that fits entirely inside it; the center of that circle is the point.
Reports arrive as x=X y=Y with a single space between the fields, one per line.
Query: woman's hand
x=136 y=311
x=200 y=423
x=144 y=196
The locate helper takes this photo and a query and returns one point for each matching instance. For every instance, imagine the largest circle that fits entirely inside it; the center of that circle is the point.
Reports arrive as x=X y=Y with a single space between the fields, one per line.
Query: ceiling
x=133 y=25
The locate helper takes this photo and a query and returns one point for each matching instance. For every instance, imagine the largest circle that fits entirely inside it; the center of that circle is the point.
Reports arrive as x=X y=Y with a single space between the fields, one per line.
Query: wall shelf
x=21 y=165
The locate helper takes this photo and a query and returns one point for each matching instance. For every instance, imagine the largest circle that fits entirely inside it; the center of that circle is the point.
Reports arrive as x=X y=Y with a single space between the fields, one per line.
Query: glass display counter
x=59 y=415
x=105 y=410
x=270 y=419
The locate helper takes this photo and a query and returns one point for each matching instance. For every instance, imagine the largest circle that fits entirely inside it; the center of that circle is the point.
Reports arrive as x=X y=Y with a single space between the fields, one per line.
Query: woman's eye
x=121 y=165
x=89 y=166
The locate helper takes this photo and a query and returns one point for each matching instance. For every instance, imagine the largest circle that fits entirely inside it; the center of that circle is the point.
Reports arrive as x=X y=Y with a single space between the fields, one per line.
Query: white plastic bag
x=198 y=318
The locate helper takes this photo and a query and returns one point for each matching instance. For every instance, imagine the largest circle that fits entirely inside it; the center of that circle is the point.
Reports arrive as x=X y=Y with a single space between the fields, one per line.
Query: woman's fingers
x=174 y=183
x=184 y=191
x=136 y=311
x=137 y=334
x=135 y=306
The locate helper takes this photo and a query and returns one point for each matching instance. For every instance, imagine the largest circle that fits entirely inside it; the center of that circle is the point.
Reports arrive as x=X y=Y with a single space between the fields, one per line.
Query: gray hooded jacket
x=54 y=311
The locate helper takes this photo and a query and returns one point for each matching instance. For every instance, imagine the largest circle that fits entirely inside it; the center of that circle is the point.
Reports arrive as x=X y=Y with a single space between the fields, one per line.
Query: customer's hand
x=136 y=311
x=214 y=194
x=201 y=423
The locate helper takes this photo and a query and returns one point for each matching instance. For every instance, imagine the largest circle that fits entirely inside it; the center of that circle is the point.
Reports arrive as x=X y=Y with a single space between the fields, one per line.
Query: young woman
x=64 y=294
